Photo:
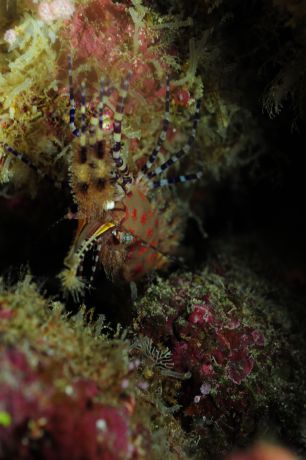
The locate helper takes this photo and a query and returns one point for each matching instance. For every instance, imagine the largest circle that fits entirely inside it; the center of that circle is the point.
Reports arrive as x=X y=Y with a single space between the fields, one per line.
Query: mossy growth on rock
x=230 y=330
x=69 y=387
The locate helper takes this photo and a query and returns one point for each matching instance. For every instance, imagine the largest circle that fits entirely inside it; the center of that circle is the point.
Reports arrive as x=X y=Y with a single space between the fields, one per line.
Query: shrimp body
x=132 y=230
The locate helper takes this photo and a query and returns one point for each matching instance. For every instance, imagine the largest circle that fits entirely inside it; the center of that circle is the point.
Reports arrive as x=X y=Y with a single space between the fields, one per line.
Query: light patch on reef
x=58 y=9
x=10 y=36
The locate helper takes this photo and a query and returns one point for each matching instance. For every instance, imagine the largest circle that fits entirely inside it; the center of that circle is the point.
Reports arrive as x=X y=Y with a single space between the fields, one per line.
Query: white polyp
x=62 y=9
x=69 y=390
x=101 y=424
x=58 y=9
x=205 y=389
x=10 y=36
x=45 y=12
x=109 y=205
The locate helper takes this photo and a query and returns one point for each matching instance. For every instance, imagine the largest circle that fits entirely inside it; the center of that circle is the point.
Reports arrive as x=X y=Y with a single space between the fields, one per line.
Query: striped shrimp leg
x=175 y=180
x=27 y=161
x=95 y=261
x=116 y=150
x=83 y=136
x=163 y=134
x=24 y=158
x=184 y=150
x=75 y=131
x=103 y=100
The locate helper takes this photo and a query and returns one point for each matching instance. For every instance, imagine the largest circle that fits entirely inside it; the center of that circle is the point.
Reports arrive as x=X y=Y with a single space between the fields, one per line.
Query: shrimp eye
x=115 y=237
x=123 y=237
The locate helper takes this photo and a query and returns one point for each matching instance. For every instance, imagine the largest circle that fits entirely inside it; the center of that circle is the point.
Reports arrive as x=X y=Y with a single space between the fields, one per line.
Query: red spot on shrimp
x=152 y=257
x=142 y=250
x=142 y=196
x=134 y=214
x=143 y=218
x=149 y=232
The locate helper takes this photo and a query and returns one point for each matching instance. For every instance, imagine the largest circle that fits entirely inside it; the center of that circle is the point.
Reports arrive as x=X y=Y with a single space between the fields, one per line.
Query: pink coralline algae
x=201 y=314
x=220 y=336
x=105 y=29
x=54 y=421
x=105 y=32
x=5 y=312
x=211 y=344
x=108 y=35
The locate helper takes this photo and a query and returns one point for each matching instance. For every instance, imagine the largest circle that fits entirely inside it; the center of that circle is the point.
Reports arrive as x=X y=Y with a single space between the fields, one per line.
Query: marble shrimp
x=118 y=216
